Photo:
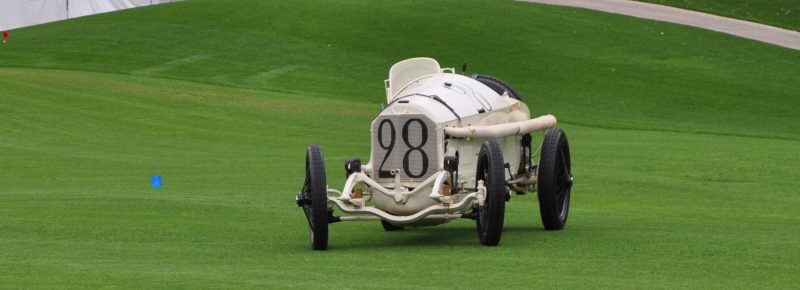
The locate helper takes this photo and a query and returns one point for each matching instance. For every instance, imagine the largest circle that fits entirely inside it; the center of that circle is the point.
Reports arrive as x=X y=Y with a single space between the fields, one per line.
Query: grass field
x=684 y=148
x=781 y=13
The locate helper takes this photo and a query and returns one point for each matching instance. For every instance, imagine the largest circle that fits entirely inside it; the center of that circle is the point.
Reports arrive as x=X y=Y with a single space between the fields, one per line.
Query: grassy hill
x=780 y=13
x=684 y=148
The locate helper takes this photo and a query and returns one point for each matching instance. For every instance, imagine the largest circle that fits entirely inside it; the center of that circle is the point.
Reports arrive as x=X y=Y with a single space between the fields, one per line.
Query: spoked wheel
x=390 y=227
x=555 y=180
x=489 y=219
x=315 y=192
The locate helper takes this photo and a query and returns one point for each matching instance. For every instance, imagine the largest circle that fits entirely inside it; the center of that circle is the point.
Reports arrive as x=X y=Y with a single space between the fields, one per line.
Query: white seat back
x=404 y=72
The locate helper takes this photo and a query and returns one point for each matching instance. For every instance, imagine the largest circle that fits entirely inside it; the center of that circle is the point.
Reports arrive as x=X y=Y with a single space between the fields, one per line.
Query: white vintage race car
x=445 y=146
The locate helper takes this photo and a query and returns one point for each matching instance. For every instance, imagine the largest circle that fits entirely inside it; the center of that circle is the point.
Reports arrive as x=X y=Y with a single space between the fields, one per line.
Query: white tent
x=21 y=13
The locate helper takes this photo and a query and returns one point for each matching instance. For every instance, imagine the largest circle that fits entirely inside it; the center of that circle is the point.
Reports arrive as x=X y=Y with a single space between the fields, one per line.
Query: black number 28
x=406 y=158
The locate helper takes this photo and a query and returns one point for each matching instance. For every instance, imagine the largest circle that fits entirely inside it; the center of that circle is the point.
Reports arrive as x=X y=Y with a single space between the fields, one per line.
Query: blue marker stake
x=155 y=180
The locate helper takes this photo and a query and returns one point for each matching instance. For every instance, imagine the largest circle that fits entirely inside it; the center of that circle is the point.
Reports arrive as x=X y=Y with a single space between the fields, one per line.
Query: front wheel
x=489 y=219
x=315 y=189
x=555 y=180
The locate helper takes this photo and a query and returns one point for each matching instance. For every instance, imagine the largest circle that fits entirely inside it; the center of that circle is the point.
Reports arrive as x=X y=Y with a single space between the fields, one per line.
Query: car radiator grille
x=405 y=145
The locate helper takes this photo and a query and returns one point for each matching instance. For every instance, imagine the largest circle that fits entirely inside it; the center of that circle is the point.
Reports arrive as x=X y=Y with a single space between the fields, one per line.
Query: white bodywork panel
x=469 y=104
x=466 y=96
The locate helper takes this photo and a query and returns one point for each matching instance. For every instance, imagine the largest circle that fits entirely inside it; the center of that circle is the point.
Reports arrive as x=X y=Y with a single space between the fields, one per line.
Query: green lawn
x=780 y=13
x=684 y=148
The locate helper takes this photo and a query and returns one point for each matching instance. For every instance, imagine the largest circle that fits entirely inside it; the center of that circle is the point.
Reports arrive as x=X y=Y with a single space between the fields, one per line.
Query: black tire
x=390 y=227
x=489 y=218
x=315 y=189
x=555 y=180
x=497 y=85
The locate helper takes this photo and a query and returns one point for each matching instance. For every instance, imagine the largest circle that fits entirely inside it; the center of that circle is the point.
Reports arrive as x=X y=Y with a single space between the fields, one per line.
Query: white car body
x=445 y=146
x=474 y=112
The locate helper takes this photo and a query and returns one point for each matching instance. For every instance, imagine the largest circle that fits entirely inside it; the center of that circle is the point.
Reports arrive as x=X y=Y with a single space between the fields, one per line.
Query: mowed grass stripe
x=780 y=13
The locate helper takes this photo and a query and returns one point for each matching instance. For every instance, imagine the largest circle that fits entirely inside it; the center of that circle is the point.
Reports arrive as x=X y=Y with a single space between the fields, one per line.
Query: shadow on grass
x=429 y=237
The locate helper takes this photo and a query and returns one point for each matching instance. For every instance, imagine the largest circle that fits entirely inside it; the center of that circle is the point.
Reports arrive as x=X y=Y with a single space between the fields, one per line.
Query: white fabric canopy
x=78 y=8
x=21 y=13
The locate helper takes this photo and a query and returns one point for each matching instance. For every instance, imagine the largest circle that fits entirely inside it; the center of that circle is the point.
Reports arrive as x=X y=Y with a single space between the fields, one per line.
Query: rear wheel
x=489 y=219
x=315 y=190
x=497 y=85
x=555 y=180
